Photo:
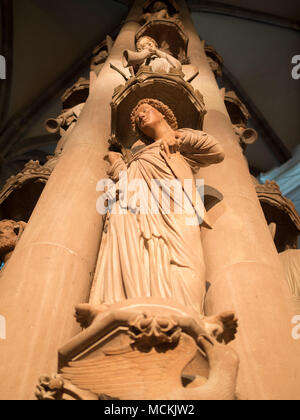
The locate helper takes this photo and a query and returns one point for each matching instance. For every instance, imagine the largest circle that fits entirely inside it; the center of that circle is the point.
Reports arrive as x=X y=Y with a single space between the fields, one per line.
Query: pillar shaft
x=51 y=269
x=243 y=269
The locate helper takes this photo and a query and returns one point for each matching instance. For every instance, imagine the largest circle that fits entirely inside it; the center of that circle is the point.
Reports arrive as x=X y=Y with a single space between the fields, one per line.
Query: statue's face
x=147 y=118
x=8 y=236
x=146 y=44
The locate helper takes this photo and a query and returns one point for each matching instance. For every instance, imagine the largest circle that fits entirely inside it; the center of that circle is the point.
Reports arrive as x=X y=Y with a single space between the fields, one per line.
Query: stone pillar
x=51 y=269
x=243 y=269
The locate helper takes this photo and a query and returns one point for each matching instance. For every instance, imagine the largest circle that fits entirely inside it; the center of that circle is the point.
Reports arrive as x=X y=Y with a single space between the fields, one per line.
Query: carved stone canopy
x=171 y=89
x=21 y=192
x=169 y=36
x=77 y=94
x=237 y=111
x=281 y=211
x=171 y=5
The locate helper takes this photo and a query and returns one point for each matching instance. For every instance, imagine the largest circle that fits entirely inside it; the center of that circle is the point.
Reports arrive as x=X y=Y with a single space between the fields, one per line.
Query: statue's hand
x=153 y=51
x=170 y=142
x=112 y=157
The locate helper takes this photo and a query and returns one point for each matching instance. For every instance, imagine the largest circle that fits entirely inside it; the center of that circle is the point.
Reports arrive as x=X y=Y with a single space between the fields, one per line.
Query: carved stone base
x=143 y=350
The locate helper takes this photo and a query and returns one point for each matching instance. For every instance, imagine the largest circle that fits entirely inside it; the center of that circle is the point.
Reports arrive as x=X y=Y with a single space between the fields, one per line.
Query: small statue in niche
x=65 y=120
x=100 y=54
x=10 y=233
x=157 y=11
x=290 y=260
x=99 y=61
x=148 y=54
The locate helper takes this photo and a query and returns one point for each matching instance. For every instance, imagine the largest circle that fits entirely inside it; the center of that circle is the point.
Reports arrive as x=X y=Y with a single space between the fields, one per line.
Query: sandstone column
x=51 y=269
x=243 y=268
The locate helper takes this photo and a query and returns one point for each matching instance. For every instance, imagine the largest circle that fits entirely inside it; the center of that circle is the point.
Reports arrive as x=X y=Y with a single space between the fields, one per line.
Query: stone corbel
x=141 y=350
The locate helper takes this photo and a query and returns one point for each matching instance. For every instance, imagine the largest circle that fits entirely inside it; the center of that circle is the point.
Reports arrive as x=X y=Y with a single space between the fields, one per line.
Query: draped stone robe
x=157 y=253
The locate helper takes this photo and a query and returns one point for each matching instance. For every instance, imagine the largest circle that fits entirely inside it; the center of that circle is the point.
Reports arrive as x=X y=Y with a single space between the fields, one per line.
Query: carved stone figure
x=10 y=233
x=215 y=60
x=64 y=120
x=158 y=252
x=142 y=350
x=159 y=10
x=148 y=54
x=281 y=212
x=239 y=116
x=291 y=263
x=100 y=54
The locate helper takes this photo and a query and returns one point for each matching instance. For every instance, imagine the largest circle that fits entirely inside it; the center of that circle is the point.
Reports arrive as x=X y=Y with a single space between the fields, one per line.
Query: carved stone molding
x=154 y=330
x=170 y=88
x=280 y=211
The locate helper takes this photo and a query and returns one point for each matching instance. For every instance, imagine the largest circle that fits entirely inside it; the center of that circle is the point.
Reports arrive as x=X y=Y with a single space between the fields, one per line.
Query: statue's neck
x=161 y=131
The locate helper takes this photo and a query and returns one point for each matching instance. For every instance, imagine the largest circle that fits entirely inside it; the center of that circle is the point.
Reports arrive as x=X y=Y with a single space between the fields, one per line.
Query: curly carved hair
x=138 y=43
x=161 y=107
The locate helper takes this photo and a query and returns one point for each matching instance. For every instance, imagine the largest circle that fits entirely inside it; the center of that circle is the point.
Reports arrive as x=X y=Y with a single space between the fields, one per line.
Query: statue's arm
x=199 y=148
x=171 y=60
x=116 y=168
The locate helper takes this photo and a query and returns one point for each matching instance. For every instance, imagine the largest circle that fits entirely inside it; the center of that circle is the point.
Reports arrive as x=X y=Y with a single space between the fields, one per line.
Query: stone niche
x=169 y=36
x=171 y=5
x=170 y=88
x=21 y=192
x=215 y=60
x=100 y=54
x=281 y=212
x=76 y=94
x=73 y=101
x=239 y=116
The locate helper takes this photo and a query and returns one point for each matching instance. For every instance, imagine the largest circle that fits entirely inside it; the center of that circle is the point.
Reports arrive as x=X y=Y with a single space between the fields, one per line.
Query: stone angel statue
x=149 y=249
x=148 y=54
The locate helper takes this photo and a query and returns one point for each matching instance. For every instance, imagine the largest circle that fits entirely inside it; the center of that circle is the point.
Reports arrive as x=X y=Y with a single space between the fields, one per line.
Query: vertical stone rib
x=243 y=268
x=51 y=268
